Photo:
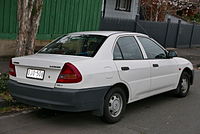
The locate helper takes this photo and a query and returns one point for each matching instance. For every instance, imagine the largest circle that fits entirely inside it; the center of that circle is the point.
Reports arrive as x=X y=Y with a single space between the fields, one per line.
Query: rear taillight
x=69 y=74
x=12 y=69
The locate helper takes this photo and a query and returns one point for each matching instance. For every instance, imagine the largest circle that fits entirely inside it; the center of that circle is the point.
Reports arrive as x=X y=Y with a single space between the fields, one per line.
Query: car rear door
x=164 y=71
x=132 y=68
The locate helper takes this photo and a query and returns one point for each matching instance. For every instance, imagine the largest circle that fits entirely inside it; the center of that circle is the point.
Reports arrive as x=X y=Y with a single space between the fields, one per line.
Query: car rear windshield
x=77 y=45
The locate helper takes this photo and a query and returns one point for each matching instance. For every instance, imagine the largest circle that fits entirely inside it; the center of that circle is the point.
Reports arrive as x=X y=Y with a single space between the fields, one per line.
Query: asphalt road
x=161 y=114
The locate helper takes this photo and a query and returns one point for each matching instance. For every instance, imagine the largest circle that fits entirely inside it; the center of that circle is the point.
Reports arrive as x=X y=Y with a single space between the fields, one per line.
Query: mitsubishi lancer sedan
x=98 y=71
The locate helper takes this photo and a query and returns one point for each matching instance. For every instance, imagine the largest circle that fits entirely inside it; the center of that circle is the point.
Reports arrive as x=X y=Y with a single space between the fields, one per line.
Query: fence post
x=136 y=21
x=177 y=33
x=167 y=30
x=191 y=36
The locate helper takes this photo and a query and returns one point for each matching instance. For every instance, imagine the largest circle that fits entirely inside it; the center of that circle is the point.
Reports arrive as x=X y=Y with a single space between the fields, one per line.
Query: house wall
x=110 y=11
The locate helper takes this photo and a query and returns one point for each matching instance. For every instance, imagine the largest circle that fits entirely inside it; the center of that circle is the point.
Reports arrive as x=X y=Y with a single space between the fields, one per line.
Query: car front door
x=132 y=68
x=164 y=71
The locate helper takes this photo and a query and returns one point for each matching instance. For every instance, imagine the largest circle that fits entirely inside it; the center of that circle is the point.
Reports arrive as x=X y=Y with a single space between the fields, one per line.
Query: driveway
x=161 y=114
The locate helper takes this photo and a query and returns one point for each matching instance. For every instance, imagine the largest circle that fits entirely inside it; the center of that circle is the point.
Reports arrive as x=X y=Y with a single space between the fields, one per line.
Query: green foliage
x=6 y=96
x=11 y=104
x=195 y=18
x=3 y=82
x=16 y=108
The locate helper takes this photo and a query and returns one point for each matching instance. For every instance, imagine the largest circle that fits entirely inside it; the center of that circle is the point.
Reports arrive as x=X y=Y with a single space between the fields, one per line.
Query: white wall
x=112 y=13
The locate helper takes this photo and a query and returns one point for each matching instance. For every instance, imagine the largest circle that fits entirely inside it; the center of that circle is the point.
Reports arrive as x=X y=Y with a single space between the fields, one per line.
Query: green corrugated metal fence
x=58 y=17
x=8 y=19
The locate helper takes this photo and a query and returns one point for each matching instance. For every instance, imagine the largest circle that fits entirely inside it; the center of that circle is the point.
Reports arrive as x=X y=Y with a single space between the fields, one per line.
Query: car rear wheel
x=183 y=86
x=114 y=105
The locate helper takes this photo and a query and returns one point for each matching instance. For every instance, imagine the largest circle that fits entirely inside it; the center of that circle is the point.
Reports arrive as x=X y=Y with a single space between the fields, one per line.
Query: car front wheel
x=183 y=86
x=114 y=105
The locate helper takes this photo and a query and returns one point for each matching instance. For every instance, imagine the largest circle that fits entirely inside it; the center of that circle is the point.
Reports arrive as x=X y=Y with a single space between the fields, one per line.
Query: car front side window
x=152 y=50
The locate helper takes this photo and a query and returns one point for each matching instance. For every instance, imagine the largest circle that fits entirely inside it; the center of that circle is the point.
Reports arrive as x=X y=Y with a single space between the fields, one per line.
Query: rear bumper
x=72 y=100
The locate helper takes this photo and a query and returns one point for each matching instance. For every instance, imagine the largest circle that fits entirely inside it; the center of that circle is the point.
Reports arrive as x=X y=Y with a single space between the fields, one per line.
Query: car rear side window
x=152 y=50
x=117 y=53
x=77 y=45
x=129 y=49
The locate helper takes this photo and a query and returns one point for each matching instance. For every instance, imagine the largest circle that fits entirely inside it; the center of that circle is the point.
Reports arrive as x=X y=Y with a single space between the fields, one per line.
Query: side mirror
x=171 y=54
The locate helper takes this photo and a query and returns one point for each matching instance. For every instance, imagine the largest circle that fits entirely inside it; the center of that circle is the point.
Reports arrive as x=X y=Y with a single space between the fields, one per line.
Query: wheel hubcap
x=184 y=85
x=115 y=105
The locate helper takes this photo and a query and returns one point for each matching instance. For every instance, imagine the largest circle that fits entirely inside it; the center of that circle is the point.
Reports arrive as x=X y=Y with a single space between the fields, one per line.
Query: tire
x=114 y=105
x=183 y=85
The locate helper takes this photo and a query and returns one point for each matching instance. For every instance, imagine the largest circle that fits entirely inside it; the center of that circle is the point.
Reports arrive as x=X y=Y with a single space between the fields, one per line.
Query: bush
x=195 y=18
x=3 y=82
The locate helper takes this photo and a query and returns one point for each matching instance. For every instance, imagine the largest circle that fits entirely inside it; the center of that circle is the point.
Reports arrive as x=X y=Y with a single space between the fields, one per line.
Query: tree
x=154 y=10
x=29 y=13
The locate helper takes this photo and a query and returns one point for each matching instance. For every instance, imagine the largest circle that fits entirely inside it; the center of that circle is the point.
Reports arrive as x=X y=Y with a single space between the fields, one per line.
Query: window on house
x=123 y=5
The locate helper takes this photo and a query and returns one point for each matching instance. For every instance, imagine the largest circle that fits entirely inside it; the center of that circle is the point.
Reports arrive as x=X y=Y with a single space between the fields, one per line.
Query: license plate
x=35 y=74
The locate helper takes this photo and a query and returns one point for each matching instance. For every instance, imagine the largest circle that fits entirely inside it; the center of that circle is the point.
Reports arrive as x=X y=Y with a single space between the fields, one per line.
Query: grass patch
x=6 y=96
x=17 y=108
x=11 y=106
x=3 y=82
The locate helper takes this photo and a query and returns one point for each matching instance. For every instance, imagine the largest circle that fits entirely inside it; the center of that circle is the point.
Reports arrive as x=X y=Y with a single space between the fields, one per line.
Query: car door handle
x=125 y=68
x=155 y=65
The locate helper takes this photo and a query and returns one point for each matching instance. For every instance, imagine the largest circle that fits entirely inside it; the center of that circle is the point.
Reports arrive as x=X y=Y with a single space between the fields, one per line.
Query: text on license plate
x=35 y=74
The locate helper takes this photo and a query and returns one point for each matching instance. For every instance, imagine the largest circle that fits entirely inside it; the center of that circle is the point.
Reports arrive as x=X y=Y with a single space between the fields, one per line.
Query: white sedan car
x=99 y=71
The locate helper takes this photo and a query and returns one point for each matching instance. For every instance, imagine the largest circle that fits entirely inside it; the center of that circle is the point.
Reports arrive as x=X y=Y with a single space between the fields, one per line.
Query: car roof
x=107 y=33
